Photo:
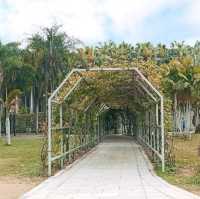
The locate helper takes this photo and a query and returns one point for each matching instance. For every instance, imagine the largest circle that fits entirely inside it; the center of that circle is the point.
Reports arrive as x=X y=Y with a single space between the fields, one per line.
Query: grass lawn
x=22 y=158
x=187 y=155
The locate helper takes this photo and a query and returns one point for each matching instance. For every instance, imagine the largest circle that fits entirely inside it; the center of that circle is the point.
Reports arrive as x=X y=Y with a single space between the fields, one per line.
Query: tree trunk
x=25 y=104
x=175 y=112
x=188 y=116
x=31 y=101
x=6 y=93
x=16 y=104
x=8 y=138
x=197 y=117
x=37 y=111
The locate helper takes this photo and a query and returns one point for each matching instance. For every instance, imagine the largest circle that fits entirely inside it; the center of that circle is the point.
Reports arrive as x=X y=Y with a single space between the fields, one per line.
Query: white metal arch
x=143 y=83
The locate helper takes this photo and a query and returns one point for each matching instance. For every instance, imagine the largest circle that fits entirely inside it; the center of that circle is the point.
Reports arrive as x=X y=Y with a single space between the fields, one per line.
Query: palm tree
x=49 y=52
x=180 y=82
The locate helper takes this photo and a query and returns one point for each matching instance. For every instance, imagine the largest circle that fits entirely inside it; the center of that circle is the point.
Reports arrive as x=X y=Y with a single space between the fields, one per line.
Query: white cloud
x=88 y=20
x=191 y=41
x=192 y=15
x=129 y=13
x=127 y=16
x=79 y=18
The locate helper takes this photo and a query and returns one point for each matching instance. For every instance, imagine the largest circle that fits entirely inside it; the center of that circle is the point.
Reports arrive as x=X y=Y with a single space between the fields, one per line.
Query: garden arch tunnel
x=81 y=111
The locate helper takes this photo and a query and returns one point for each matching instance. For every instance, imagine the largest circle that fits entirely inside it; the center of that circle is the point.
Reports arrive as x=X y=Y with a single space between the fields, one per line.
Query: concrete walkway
x=115 y=169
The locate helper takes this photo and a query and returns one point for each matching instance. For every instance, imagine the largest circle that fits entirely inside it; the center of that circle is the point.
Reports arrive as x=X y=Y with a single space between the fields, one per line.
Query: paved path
x=115 y=169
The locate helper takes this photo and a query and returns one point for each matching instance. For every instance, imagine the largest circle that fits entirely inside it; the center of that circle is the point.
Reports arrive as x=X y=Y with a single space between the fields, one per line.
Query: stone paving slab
x=116 y=169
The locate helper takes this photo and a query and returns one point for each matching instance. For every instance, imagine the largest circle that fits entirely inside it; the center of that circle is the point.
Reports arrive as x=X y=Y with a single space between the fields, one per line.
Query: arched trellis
x=150 y=119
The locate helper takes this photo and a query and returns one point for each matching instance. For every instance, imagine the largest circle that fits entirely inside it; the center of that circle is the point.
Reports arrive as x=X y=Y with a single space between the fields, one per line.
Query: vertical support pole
x=69 y=136
x=157 y=131
x=61 y=116
x=162 y=132
x=149 y=126
x=100 y=129
x=61 y=141
x=156 y=113
x=81 y=135
x=49 y=137
x=91 y=130
x=85 y=131
x=98 y=123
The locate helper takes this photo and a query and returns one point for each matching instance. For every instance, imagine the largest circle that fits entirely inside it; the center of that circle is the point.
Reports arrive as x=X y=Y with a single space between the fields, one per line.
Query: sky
x=93 y=21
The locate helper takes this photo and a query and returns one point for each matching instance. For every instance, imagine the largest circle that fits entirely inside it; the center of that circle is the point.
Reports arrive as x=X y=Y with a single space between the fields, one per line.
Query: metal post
x=149 y=127
x=81 y=135
x=61 y=116
x=68 y=138
x=100 y=129
x=162 y=133
x=61 y=141
x=49 y=137
x=157 y=114
x=98 y=125
x=157 y=131
x=85 y=131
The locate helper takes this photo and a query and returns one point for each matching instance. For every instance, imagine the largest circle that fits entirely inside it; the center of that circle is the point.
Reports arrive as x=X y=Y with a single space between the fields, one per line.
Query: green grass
x=22 y=158
x=187 y=172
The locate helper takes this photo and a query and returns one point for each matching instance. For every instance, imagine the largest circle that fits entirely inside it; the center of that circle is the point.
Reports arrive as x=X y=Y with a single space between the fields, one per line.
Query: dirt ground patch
x=13 y=187
x=185 y=171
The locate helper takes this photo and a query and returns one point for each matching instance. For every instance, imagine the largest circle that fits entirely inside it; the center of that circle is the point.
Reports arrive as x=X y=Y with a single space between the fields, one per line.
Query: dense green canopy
x=50 y=54
x=116 y=89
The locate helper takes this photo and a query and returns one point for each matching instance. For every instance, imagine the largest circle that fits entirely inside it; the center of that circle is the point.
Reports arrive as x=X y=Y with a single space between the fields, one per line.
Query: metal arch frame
x=89 y=105
x=147 y=91
x=142 y=77
x=161 y=119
